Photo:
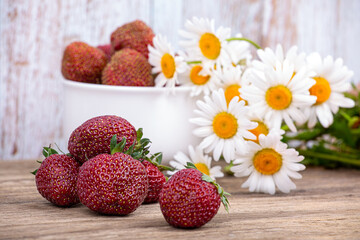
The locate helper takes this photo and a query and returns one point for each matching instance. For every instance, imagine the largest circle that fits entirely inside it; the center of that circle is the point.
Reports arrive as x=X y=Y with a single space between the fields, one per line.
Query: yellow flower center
x=196 y=78
x=278 y=97
x=260 y=129
x=210 y=46
x=321 y=90
x=225 y=125
x=202 y=168
x=267 y=161
x=168 y=65
x=231 y=92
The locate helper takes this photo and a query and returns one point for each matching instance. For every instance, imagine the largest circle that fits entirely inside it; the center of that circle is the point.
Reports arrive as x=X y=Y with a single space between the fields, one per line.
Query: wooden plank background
x=324 y=206
x=34 y=33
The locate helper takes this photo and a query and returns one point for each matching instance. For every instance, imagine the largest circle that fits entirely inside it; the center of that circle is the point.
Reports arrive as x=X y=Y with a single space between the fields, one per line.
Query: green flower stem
x=355 y=131
x=348 y=149
x=194 y=62
x=227 y=169
x=244 y=39
x=306 y=153
x=345 y=115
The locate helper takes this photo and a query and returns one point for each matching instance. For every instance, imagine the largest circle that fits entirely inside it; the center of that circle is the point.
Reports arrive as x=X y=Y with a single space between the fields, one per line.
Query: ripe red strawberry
x=190 y=199
x=114 y=184
x=156 y=182
x=83 y=63
x=56 y=178
x=128 y=68
x=93 y=136
x=107 y=49
x=136 y=35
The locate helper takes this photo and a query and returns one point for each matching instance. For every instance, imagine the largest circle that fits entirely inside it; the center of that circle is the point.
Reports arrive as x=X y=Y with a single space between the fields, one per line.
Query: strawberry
x=56 y=178
x=135 y=35
x=83 y=63
x=128 y=68
x=113 y=183
x=190 y=199
x=107 y=49
x=156 y=182
x=93 y=136
x=154 y=170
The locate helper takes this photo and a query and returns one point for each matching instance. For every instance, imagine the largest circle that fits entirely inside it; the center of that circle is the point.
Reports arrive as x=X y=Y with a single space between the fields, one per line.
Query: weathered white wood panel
x=330 y=27
x=33 y=36
x=34 y=33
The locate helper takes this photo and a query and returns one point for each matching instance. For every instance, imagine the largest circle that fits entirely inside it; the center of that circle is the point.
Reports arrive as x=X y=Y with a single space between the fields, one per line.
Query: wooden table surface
x=325 y=205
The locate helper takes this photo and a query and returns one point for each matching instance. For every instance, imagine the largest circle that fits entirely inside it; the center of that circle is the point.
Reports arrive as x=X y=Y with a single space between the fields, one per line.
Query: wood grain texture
x=33 y=35
x=325 y=205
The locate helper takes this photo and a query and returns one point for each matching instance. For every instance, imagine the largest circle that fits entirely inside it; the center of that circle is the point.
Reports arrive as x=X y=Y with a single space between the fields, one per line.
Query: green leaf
x=341 y=130
x=157 y=158
x=113 y=142
x=139 y=134
x=207 y=178
x=190 y=165
x=48 y=151
x=225 y=202
x=119 y=147
x=220 y=190
x=34 y=172
x=309 y=135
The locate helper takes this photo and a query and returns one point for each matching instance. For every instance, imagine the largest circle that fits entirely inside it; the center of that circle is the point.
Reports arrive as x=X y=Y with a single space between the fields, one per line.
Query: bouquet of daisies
x=260 y=114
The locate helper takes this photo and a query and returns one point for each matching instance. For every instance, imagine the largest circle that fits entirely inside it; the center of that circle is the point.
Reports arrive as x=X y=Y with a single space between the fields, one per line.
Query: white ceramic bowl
x=163 y=116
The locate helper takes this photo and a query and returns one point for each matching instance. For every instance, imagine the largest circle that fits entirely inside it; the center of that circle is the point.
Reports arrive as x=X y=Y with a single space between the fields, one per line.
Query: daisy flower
x=262 y=127
x=199 y=82
x=206 y=44
x=223 y=128
x=232 y=81
x=269 y=164
x=275 y=98
x=332 y=80
x=269 y=58
x=165 y=62
x=201 y=161
x=239 y=51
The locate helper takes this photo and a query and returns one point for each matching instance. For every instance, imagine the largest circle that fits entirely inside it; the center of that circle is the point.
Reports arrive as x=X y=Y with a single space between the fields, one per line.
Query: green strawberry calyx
x=47 y=152
x=207 y=178
x=156 y=159
x=116 y=147
x=139 y=150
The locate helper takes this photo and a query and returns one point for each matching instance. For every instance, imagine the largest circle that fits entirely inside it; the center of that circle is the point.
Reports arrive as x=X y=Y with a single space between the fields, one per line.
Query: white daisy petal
x=332 y=79
x=282 y=163
x=162 y=51
x=222 y=127
x=199 y=159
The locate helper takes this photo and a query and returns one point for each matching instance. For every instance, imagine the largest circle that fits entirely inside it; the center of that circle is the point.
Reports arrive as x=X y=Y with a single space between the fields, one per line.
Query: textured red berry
x=83 y=63
x=112 y=184
x=135 y=35
x=156 y=182
x=107 y=49
x=56 y=179
x=128 y=68
x=93 y=136
x=187 y=201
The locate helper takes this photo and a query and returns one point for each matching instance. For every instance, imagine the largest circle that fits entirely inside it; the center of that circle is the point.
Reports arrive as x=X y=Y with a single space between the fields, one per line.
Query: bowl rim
x=93 y=86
